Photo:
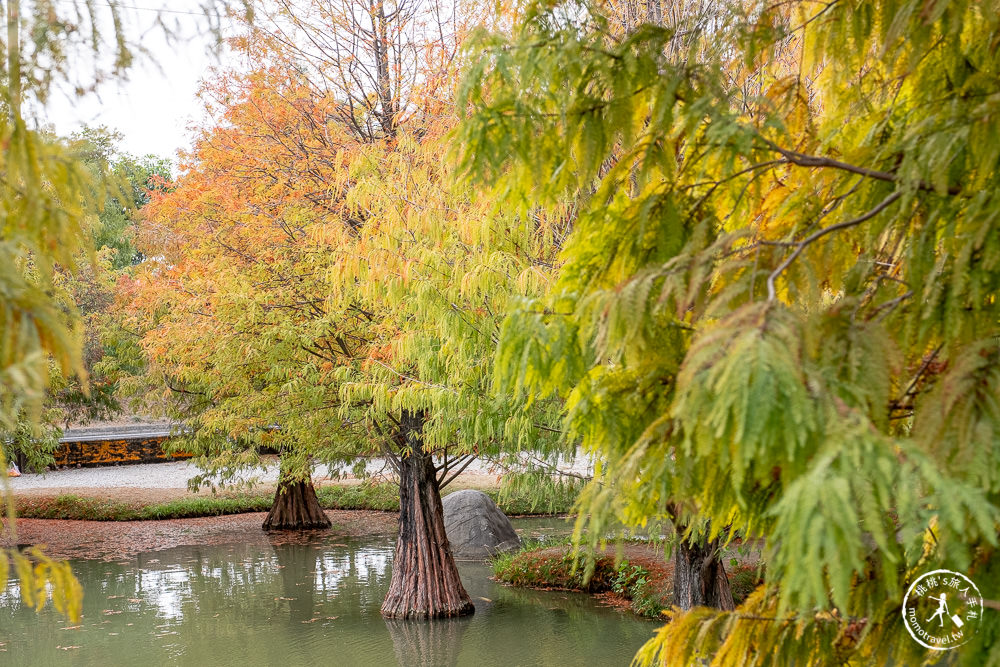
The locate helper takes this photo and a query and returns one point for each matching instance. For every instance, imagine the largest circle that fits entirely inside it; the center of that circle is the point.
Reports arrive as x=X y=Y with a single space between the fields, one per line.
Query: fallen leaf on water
x=68 y=627
x=332 y=618
x=115 y=597
x=111 y=612
x=311 y=620
x=485 y=599
x=135 y=599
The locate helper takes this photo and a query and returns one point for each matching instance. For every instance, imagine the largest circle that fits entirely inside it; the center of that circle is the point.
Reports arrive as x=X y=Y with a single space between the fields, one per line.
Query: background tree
x=87 y=289
x=336 y=299
x=380 y=64
x=777 y=314
x=91 y=289
x=226 y=306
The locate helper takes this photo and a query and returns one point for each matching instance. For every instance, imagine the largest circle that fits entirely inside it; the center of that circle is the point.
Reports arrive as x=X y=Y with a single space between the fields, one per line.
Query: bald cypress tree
x=778 y=298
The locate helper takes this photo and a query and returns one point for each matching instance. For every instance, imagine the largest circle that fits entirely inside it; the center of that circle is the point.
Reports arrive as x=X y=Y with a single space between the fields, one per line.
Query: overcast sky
x=154 y=108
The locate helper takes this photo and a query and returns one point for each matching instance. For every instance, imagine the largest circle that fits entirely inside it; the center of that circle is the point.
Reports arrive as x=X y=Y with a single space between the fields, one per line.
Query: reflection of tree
x=559 y=626
x=297 y=565
x=427 y=643
x=230 y=584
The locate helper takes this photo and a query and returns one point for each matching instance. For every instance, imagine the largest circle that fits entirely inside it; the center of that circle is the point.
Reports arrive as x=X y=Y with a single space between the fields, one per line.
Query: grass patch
x=69 y=506
x=551 y=567
x=384 y=497
x=184 y=508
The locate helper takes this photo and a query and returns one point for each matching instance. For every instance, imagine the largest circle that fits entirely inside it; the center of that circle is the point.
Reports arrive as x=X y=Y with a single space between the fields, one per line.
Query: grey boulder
x=476 y=527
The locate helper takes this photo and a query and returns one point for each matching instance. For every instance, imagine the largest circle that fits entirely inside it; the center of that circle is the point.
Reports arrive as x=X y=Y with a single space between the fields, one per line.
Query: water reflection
x=427 y=643
x=302 y=602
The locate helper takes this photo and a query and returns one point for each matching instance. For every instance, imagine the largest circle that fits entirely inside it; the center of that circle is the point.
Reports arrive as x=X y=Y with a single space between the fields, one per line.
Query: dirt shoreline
x=123 y=540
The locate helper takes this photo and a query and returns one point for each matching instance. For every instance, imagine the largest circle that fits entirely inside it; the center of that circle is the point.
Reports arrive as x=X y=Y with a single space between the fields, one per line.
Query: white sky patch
x=154 y=108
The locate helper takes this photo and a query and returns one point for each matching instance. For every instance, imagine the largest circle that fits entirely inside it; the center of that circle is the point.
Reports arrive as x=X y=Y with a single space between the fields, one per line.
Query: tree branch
x=801 y=245
x=803 y=160
x=458 y=472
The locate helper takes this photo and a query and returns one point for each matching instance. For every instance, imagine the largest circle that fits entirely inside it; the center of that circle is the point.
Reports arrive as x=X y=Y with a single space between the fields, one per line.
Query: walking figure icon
x=941 y=610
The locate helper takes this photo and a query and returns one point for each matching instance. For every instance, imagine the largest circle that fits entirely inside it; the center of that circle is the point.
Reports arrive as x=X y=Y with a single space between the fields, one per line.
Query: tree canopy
x=333 y=295
x=777 y=313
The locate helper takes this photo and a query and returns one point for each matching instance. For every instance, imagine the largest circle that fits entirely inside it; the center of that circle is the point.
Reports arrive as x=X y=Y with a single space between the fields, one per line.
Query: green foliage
x=744 y=580
x=32 y=441
x=552 y=567
x=633 y=582
x=36 y=233
x=536 y=491
x=777 y=310
x=132 y=179
x=42 y=223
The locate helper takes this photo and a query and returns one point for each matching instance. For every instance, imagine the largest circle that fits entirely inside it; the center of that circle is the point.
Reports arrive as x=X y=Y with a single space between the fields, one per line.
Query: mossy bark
x=425 y=581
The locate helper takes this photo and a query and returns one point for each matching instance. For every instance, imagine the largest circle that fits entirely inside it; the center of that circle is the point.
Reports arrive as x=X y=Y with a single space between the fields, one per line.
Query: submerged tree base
x=425 y=582
x=296 y=507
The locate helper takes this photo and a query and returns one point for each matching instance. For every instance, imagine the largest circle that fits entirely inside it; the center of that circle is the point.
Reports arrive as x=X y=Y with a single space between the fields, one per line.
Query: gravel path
x=175 y=475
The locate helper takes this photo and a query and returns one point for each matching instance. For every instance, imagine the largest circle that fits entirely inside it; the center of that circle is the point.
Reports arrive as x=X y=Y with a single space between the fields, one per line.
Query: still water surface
x=310 y=603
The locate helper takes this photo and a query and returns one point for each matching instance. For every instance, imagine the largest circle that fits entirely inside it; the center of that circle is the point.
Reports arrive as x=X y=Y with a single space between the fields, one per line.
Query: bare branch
x=458 y=472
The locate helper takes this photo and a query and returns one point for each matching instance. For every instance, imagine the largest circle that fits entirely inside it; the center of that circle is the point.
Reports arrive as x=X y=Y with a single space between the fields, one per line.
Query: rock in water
x=476 y=527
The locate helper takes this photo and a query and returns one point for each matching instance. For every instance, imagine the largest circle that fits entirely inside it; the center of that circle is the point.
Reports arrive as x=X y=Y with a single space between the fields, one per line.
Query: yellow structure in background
x=113 y=450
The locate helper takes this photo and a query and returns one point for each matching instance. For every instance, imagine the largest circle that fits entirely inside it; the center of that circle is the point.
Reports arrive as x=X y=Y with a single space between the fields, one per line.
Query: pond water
x=308 y=603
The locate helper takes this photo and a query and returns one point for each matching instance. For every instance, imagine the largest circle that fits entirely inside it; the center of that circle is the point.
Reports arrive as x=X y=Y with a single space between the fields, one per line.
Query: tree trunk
x=700 y=577
x=295 y=507
x=425 y=581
